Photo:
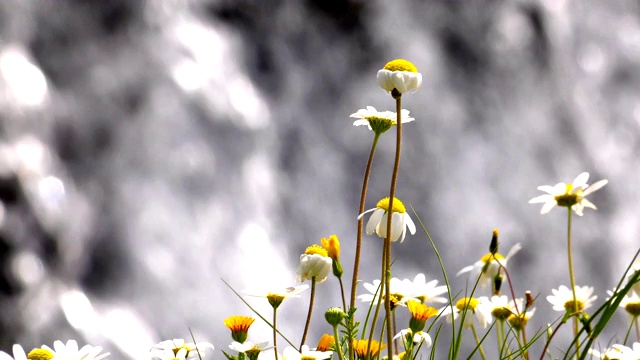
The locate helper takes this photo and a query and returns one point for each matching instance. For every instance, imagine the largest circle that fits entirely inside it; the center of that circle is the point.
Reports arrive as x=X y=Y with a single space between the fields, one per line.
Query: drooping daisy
x=367 y=351
x=426 y=292
x=314 y=263
x=70 y=351
x=191 y=350
x=379 y=121
x=418 y=337
x=400 y=220
x=277 y=296
x=562 y=298
x=475 y=310
x=401 y=75
x=568 y=195
x=18 y=354
x=489 y=265
x=291 y=353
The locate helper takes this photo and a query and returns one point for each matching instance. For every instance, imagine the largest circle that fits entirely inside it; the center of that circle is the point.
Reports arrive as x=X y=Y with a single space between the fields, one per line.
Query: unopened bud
x=529 y=299
x=497 y=284
x=493 y=248
x=334 y=316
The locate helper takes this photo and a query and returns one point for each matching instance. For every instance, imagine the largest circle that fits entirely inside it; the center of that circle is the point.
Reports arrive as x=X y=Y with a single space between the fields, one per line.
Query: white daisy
x=519 y=322
x=573 y=194
x=277 y=296
x=400 y=220
x=248 y=345
x=489 y=265
x=191 y=350
x=401 y=75
x=314 y=263
x=501 y=307
x=630 y=302
x=397 y=287
x=618 y=352
x=18 y=354
x=476 y=311
x=426 y=292
x=169 y=354
x=70 y=351
x=379 y=121
x=291 y=353
x=562 y=298
x=418 y=338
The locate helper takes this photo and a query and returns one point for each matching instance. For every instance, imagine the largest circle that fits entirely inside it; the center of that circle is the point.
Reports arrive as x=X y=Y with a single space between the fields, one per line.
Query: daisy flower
x=476 y=310
x=420 y=313
x=426 y=292
x=417 y=338
x=291 y=353
x=325 y=343
x=379 y=121
x=277 y=296
x=400 y=220
x=70 y=351
x=239 y=326
x=501 y=307
x=248 y=346
x=562 y=298
x=397 y=291
x=314 y=263
x=568 y=195
x=634 y=269
x=618 y=352
x=401 y=75
x=489 y=265
x=367 y=351
x=176 y=346
x=631 y=303
x=518 y=322
x=18 y=354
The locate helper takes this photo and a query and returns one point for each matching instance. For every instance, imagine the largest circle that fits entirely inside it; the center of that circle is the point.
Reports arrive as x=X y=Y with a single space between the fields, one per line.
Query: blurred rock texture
x=150 y=148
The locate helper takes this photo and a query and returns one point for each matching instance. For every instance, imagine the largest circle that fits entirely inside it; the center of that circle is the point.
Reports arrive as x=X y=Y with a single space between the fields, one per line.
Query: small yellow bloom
x=419 y=315
x=401 y=75
x=40 y=354
x=332 y=246
x=518 y=323
x=326 y=343
x=239 y=326
x=361 y=347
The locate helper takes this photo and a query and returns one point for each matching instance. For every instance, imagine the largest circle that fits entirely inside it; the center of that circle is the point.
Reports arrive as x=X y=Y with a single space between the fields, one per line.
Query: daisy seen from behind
x=401 y=221
x=423 y=291
x=379 y=121
x=488 y=267
x=278 y=295
x=474 y=310
x=180 y=348
x=562 y=299
x=571 y=195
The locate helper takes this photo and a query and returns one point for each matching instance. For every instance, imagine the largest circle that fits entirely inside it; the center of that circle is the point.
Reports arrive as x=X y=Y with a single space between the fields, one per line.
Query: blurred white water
x=151 y=149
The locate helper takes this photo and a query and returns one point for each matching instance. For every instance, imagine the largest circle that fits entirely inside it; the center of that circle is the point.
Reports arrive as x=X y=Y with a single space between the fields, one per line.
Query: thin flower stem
x=356 y=262
x=306 y=326
x=387 y=241
x=379 y=303
x=395 y=331
x=573 y=283
x=344 y=301
x=275 y=333
x=500 y=336
x=635 y=320
x=475 y=336
x=546 y=346
x=336 y=338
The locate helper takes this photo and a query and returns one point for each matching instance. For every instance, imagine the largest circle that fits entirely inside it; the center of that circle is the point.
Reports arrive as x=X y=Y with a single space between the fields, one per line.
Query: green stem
x=635 y=319
x=475 y=336
x=336 y=338
x=380 y=292
x=344 y=301
x=387 y=241
x=306 y=326
x=275 y=333
x=500 y=337
x=356 y=262
x=573 y=283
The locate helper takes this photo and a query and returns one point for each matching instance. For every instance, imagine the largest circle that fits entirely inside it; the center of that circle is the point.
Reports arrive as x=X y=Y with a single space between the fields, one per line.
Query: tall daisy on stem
x=573 y=197
x=315 y=265
x=397 y=77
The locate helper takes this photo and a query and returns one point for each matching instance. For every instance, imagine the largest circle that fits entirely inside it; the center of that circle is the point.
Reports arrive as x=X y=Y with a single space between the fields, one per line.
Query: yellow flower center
x=420 y=311
x=567 y=199
x=468 y=303
x=518 y=322
x=40 y=354
x=398 y=206
x=183 y=346
x=316 y=249
x=400 y=65
x=501 y=313
x=571 y=305
x=307 y=357
x=275 y=299
x=633 y=308
x=490 y=257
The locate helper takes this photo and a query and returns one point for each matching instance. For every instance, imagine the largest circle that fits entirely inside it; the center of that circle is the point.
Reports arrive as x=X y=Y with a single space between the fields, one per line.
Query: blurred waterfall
x=151 y=148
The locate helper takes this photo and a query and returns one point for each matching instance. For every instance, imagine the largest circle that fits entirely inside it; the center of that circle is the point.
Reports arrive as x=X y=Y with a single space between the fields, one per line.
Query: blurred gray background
x=150 y=149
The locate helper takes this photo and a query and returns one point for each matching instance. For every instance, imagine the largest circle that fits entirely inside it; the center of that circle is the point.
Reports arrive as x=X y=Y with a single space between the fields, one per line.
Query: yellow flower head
x=419 y=315
x=316 y=249
x=366 y=351
x=239 y=326
x=400 y=75
x=398 y=206
x=40 y=354
x=468 y=303
x=326 y=343
x=332 y=246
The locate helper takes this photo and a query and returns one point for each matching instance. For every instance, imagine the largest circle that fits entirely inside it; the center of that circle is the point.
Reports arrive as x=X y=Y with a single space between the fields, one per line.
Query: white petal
x=586 y=203
x=464 y=270
x=398 y=226
x=368 y=211
x=548 y=189
x=595 y=187
x=547 y=207
x=541 y=199
x=374 y=221
x=410 y=224
x=581 y=180
x=513 y=251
